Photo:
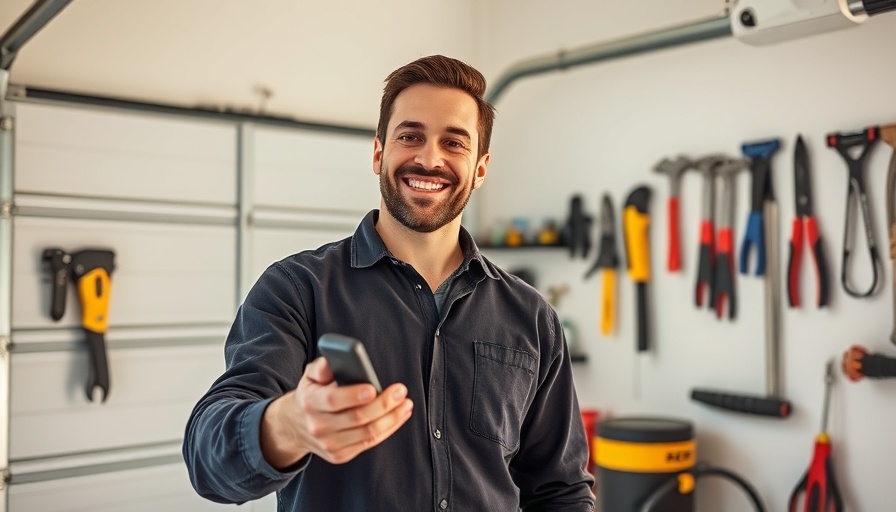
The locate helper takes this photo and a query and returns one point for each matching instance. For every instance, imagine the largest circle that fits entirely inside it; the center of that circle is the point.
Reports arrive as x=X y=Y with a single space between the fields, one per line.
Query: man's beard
x=404 y=210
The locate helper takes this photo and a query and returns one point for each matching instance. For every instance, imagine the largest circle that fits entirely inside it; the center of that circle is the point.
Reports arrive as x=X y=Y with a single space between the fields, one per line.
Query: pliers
x=805 y=218
x=760 y=154
x=608 y=260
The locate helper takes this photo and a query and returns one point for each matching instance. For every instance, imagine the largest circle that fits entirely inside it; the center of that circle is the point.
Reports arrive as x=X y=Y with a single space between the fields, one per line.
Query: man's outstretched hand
x=335 y=423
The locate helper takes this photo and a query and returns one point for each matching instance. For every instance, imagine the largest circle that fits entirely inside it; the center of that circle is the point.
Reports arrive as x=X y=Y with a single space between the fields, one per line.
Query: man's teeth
x=425 y=185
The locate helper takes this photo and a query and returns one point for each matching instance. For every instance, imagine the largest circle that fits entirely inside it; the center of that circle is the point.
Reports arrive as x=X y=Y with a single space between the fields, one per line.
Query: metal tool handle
x=772 y=300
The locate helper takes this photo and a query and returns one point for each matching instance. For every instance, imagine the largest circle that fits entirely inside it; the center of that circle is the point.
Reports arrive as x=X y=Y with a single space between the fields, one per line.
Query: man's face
x=429 y=165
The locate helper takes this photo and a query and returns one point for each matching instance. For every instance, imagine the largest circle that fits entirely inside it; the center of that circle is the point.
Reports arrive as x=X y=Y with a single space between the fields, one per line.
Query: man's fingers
x=347 y=444
x=319 y=371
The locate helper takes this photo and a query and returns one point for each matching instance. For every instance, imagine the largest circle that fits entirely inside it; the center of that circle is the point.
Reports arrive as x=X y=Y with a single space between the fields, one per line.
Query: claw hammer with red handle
x=674 y=168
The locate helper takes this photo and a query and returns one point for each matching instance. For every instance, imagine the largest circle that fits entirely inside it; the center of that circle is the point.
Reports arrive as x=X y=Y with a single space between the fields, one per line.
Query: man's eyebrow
x=417 y=125
x=459 y=131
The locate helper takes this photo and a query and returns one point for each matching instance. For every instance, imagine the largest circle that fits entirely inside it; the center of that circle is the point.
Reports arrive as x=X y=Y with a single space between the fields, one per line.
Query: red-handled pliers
x=805 y=222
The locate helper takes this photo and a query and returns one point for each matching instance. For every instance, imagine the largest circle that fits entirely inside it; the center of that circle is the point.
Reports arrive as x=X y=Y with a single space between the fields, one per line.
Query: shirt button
x=443 y=504
x=438 y=434
x=419 y=287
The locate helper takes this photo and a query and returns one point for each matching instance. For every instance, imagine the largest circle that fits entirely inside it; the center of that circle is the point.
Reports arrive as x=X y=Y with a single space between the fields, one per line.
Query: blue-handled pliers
x=760 y=154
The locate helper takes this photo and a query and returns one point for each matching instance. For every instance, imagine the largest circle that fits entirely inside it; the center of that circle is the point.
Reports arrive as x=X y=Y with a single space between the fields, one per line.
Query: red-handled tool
x=724 y=280
x=674 y=168
x=818 y=487
x=805 y=218
x=706 y=263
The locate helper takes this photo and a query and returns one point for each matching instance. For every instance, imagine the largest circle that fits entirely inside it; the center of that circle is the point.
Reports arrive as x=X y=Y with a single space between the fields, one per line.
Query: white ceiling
x=322 y=61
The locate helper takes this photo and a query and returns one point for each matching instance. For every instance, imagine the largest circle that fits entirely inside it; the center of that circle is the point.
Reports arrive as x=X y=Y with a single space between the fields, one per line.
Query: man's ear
x=377 y=155
x=481 y=171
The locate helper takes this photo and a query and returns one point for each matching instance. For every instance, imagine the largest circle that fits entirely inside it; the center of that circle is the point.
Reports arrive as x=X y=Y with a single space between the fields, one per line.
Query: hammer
x=674 y=168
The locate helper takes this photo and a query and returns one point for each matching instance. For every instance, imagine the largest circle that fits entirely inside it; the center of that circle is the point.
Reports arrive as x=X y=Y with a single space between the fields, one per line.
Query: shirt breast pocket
x=501 y=384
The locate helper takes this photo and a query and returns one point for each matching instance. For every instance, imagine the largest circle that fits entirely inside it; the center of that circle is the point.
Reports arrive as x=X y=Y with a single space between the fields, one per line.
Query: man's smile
x=425 y=185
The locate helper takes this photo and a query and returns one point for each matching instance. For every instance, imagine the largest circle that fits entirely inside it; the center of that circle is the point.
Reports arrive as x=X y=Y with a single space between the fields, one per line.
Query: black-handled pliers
x=805 y=223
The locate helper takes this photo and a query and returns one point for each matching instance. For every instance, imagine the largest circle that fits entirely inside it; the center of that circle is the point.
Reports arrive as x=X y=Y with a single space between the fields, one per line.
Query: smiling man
x=480 y=413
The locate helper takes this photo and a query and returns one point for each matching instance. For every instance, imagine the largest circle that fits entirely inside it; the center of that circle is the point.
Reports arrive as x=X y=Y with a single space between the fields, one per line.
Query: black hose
x=672 y=483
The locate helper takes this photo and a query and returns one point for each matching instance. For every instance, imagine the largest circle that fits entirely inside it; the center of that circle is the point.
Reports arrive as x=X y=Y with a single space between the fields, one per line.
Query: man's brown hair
x=440 y=71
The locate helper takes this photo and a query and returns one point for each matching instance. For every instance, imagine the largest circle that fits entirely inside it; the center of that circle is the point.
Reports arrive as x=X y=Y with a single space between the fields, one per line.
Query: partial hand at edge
x=332 y=422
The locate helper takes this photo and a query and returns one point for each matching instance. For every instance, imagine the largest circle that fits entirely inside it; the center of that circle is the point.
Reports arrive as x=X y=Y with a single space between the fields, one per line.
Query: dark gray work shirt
x=496 y=424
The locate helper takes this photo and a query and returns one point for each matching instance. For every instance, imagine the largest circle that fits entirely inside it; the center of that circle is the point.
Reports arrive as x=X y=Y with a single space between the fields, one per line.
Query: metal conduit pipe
x=676 y=36
x=30 y=23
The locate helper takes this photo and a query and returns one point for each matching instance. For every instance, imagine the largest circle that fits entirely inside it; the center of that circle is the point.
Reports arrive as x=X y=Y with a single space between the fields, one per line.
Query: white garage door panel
x=69 y=151
x=270 y=245
x=152 y=391
x=156 y=489
x=164 y=274
x=307 y=170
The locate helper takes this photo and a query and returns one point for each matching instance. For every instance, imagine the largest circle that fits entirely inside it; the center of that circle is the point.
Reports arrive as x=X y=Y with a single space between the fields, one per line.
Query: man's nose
x=431 y=156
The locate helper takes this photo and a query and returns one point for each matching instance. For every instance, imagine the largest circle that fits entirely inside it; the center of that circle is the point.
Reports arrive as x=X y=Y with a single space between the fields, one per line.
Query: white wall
x=601 y=128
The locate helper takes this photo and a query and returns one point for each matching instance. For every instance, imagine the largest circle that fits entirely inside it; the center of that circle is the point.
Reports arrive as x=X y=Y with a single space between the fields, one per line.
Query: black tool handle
x=725 y=286
x=873 y=7
x=877 y=366
x=643 y=335
x=58 y=261
x=98 y=368
x=761 y=406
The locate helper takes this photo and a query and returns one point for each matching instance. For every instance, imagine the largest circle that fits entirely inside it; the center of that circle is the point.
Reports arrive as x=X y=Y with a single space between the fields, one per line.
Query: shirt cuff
x=250 y=442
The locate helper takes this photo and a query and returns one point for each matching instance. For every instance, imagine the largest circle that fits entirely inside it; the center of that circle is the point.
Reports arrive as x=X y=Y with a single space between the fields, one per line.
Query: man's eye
x=406 y=137
x=454 y=144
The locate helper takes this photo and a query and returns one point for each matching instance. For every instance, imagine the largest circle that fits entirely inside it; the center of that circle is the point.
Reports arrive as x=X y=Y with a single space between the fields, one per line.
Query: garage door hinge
x=7 y=209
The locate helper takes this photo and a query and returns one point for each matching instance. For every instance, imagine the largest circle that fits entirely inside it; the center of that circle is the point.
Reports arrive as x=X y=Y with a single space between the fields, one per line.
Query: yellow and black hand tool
x=635 y=226
x=92 y=269
x=608 y=261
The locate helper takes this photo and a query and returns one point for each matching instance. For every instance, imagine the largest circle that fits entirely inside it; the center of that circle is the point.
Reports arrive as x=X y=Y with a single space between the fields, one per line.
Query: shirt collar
x=368 y=248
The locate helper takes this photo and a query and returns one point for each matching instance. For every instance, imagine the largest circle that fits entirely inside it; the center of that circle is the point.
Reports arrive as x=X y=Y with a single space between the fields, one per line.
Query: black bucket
x=635 y=456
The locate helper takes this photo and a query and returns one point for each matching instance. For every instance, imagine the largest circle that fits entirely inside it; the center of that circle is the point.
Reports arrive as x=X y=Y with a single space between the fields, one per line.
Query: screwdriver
x=818 y=485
